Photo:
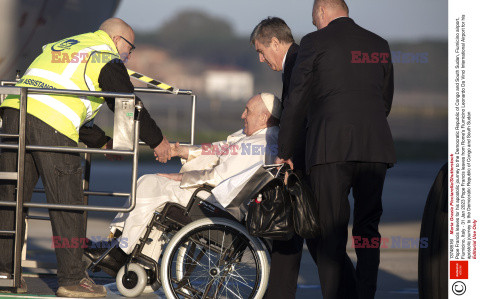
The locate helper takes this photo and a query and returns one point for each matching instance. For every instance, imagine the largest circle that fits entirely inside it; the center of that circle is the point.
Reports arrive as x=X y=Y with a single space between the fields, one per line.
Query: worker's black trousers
x=61 y=174
x=331 y=184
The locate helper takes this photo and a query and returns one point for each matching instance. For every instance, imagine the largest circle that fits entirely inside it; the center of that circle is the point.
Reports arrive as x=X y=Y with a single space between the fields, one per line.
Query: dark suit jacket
x=298 y=157
x=345 y=96
x=288 y=67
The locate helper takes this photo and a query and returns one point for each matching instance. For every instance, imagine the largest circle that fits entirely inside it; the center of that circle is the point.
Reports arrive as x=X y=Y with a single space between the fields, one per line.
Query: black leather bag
x=270 y=213
x=304 y=207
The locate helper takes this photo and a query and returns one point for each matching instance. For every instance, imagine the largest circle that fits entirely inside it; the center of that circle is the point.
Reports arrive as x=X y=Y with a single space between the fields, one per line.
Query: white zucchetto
x=273 y=104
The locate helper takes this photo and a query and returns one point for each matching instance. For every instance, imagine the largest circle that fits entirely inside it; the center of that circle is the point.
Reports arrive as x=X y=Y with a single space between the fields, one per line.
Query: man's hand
x=162 y=151
x=173 y=176
x=281 y=161
x=175 y=149
x=109 y=157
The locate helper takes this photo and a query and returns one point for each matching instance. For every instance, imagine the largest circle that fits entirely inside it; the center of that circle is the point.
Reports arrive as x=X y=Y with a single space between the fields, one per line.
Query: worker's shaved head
x=121 y=34
x=116 y=26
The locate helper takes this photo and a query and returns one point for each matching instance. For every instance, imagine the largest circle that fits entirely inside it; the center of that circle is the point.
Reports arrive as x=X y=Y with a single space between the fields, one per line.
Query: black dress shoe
x=112 y=262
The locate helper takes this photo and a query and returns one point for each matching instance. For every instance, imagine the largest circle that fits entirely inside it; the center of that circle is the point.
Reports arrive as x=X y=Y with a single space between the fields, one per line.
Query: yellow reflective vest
x=71 y=63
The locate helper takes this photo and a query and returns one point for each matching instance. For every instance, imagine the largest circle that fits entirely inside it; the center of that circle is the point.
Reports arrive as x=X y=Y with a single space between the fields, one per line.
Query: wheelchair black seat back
x=175 y=216
x=197 y=208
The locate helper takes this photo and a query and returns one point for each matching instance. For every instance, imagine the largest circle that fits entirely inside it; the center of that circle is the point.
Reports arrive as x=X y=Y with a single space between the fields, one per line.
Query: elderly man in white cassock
x=207 y=164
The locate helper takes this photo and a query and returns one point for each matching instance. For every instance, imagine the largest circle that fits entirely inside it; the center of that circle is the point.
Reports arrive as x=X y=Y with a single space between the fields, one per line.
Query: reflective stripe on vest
x=59 y=106
x=72 y=66
x=66 y=83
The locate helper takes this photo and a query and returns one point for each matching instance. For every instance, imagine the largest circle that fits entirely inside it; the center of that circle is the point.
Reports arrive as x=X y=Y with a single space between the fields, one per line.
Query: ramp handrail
x=19 y=204
x=23 y=92
x=7 y=87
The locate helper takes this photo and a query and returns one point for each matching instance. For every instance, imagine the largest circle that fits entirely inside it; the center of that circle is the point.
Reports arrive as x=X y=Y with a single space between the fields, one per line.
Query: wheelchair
x=198 y=251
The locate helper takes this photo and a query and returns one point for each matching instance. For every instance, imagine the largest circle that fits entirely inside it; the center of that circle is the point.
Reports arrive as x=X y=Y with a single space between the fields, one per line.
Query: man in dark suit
x=274 y=43
x=342 y=83
x=273 y=40
x=276 y=47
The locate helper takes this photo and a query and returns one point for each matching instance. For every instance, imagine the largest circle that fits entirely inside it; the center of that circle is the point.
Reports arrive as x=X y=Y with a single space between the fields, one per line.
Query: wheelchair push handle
x=278 y=169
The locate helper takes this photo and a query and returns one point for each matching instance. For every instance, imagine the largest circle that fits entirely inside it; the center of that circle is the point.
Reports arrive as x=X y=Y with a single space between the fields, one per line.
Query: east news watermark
x=394 y=242
x=397 y=57
x=92 y=242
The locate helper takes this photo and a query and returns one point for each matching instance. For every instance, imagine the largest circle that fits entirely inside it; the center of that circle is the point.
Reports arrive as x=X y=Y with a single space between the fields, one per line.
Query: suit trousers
x=284 y=268
x=331 y=184
x=61 y=174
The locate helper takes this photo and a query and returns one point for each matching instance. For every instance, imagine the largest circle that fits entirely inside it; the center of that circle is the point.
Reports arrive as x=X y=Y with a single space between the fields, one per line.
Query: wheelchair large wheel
x=214 y=258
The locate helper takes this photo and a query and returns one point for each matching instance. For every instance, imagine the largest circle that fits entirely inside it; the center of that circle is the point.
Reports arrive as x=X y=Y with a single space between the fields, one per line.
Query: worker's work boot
x=86 y=288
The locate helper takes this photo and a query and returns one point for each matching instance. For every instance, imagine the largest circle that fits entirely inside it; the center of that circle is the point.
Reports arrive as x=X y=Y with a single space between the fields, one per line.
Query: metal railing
x=19 y=204
x=23 y=92
x=180 y=92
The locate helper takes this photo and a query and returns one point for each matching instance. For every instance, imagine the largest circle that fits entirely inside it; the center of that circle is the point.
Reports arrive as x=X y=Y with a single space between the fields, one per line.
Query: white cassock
x=206 y=164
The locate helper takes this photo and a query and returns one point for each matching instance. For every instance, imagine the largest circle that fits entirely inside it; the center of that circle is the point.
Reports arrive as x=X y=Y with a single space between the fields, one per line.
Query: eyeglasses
x=131 y=45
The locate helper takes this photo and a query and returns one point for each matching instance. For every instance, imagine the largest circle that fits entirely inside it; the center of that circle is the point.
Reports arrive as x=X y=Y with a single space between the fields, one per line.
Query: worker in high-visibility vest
x=91 y=61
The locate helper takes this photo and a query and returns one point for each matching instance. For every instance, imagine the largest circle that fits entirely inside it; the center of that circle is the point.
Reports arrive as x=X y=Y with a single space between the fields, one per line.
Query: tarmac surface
x=397 y=276
x=405 y=193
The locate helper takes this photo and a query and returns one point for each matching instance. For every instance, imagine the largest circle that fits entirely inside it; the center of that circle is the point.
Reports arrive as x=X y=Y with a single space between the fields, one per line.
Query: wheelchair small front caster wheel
x=132 y=283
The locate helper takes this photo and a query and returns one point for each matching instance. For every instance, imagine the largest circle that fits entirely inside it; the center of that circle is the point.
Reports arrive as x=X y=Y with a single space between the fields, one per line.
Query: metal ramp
x=126 y=131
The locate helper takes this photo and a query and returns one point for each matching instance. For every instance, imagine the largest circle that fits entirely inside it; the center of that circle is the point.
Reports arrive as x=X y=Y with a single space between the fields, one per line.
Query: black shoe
x=112 y=262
